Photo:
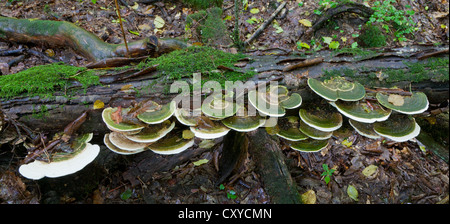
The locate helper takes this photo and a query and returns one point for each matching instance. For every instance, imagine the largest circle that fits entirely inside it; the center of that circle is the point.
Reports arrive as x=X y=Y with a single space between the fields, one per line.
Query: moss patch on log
x=44 y=80
x=206 y=60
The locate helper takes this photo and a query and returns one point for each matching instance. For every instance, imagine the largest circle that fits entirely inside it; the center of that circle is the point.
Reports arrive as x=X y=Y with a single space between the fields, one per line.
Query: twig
x=303 y=64
x=265 y=24
x=121 y=27
x=444 y=51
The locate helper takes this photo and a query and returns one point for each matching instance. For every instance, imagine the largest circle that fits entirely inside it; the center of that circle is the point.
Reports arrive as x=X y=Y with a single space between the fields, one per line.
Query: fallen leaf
x=327 y=40
x=309 y=197
x=117 y=116
x=334 y=45
x=126 y=87
x=396 y=99
x=254 y=11
x=305 y=22
x=98 y=104
x=303 y=45
x=201 y=162
x=159 y=22
x=144 y=27
x=188 y=134
x=347 y=143
x=134 y=32
x=370 y=171
x=352 y=192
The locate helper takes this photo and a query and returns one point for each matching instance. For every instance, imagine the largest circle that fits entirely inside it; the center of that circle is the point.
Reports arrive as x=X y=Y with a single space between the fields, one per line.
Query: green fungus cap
x=244 y=123
x=158 y=114
x=337 y=88
x=309 y=145
x=361 y=111
x=187 y=117
x=219 y=108
x=294 y=101
x=289 y=129
x=266 y=103
x=152 y=133
x=212 y=130
x=172 y=143
x=415 y=104
x=122 y=126
x=117 y=150
x=314 y=133
x=120 y=141
x=321 y=120
x=364 y=129
x=398 y=127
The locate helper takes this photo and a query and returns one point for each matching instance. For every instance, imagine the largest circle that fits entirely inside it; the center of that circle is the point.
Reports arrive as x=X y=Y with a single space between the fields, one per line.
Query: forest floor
x=401 y=172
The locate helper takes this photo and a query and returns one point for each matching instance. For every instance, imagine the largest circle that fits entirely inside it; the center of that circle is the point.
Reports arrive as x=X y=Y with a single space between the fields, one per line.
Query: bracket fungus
x=62 y=164
x=362 y=111
x=209 y=129
x=415 y=104
x=218 y=109
x=399 y=128
x=244 y=123
x=274 y=101
x=321 y=120
x=113 y=125
x=186 y=116
x=314 y=133
x=156 y=113
x=117 y=150
x=337 y=88
x=364 y=129
x=171 y=144
x=152 y=133
x=309 y=145
x=289 y=129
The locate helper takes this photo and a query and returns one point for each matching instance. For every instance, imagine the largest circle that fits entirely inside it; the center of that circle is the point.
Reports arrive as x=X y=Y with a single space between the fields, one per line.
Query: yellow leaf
x=126 y=87
x=347 y=143
x=344 y=39
x=395 y=99
x=201 y=162
x=98 y=104
x=159 y=22
x=309 y=197
x=254 y=11
x=443 y=26
x=305 y=22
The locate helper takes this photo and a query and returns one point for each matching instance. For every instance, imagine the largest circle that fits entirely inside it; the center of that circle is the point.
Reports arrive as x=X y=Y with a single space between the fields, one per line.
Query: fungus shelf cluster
x=373 y=115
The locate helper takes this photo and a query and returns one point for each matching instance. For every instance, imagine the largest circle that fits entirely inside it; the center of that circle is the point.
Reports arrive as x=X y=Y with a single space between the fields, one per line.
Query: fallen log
x=63 y=34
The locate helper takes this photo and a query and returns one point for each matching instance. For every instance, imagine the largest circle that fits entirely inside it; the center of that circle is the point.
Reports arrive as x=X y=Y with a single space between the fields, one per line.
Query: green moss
x=208 y=24
x=372 y=36
x=44 y=80
x=185 y=62
x=203 y=4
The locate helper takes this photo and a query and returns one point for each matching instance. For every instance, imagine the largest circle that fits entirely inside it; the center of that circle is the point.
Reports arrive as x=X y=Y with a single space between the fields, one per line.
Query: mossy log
x=63 y=34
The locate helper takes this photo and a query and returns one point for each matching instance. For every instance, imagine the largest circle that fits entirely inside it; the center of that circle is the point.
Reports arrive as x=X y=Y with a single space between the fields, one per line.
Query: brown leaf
x=117 y=116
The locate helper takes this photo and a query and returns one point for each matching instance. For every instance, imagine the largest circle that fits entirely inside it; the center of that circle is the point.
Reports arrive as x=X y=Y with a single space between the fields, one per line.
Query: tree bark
x=271 y=167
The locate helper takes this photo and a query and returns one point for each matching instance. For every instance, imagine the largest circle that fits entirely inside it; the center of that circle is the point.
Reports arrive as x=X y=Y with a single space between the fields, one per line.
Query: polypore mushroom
x=187 y=117
x=208 y=129
x=172 y=143
x=309 y=145
x=365 y=112
x=152 y=133
x=120 y=141
x=337 y=88
x=274 y=101
x=218 y=108
x=157 y=114
x=398 y=127
x=415 y=104
x=119 y=126
x=289 y=129
x=117 y=150
x=364 y=129
x=244 y=123
x=321 y=120
x=314 y=133
x=62 y=164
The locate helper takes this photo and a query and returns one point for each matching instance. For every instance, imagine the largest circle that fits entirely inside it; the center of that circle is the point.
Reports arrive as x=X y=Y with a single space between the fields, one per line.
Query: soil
x=404 y=173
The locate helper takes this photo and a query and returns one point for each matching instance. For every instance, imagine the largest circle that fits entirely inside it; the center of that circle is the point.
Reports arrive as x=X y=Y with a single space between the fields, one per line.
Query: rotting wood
x=302 y=64
x=271 y=166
